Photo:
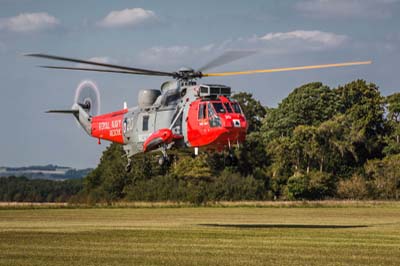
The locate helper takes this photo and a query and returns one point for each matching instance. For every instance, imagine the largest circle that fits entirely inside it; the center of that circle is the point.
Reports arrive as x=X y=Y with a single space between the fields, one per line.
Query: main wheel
x=161 y=160
x=231 y=160
x=128 y=168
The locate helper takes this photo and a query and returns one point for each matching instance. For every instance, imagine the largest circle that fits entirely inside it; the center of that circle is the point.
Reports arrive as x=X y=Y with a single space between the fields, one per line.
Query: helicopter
x=181 y=114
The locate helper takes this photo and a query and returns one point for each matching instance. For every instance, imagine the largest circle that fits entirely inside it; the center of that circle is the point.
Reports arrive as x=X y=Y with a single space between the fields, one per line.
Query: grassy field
x=350 y=235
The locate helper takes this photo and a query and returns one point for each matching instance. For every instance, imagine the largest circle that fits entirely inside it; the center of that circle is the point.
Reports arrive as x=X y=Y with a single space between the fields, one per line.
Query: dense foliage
x=22 y=189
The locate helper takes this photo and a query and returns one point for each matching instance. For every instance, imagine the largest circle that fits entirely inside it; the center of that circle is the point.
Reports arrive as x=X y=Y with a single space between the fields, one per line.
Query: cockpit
x=214 y=110
x=215 y=118
x=226 y=107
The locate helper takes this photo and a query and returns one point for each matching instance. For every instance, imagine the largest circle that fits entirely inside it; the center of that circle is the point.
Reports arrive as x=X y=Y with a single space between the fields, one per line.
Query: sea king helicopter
x=181 y=114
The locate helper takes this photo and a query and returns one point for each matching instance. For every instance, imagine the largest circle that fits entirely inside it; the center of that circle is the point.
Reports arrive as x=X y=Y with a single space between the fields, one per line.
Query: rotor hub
x=187 y=73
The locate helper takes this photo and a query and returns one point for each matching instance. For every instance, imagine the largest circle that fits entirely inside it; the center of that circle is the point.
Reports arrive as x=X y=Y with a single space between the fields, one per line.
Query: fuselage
x=201 y=116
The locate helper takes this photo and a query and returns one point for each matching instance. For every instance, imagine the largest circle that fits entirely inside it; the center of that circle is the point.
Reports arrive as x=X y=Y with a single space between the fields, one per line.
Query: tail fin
x=83 y=118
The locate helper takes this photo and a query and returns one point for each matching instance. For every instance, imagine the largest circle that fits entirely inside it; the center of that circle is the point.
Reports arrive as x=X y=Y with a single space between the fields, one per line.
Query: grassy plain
x=349 y=234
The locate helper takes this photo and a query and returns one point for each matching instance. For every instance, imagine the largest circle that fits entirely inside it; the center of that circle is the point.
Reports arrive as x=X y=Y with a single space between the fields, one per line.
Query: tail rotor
x=87 y=96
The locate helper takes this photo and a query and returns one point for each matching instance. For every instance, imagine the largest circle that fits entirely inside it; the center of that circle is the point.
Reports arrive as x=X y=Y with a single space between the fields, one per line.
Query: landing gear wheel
x=228 y=160
x=163 y=160
x=231 y=160
x=128 y=167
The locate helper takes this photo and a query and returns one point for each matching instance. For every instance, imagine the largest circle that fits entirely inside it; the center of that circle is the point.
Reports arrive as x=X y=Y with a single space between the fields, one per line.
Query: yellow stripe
x=285 y=69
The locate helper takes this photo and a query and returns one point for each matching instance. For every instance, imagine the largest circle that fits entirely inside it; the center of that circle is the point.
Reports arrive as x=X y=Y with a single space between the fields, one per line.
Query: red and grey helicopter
x=181 y=114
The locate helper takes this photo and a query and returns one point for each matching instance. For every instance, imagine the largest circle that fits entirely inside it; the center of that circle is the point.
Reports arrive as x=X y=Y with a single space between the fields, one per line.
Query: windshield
x=219 y=107
x=236 y=107
x=214 y=120
x=228 y=107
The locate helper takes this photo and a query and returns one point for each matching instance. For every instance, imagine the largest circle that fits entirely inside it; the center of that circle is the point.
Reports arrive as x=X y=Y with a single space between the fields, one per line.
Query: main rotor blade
x=67 y=59
x=285 y=69
x=101 y=70
x=226 y=58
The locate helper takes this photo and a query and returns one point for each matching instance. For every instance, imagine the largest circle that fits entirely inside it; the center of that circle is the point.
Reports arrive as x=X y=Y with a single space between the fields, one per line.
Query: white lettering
x=116 y=123
x=115 y=132
x=104 y=125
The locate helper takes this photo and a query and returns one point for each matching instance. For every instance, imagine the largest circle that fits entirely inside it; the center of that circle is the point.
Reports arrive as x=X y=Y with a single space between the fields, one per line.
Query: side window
x=202 y=111
x=211 y=112
x=145 y=123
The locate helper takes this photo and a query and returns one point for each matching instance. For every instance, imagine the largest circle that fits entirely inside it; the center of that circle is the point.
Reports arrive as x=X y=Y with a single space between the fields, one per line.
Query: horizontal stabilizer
x=70 y=111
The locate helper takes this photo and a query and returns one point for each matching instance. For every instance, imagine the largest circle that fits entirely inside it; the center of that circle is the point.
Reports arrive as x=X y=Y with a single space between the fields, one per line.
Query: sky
x=166 y=35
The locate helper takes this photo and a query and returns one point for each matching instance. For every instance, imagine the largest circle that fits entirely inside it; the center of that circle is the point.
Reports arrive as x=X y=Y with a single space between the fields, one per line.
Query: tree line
x=22 y=189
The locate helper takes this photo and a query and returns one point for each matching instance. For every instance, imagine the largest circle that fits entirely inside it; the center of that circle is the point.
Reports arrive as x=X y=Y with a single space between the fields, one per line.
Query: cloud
x=346 y=8
x=174 y=55
x=29 y=22
x=319 y=39
x=273 y=43
x=127 y=18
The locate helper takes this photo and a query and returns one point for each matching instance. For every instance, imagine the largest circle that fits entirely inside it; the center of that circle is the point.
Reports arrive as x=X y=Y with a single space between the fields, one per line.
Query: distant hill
x=51 y=172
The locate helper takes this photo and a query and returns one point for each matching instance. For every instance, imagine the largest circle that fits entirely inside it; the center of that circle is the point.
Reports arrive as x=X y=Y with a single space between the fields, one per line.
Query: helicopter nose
x=235 y=122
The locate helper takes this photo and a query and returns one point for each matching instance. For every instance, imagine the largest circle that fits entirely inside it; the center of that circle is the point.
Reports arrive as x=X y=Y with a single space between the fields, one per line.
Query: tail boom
x=109 y=126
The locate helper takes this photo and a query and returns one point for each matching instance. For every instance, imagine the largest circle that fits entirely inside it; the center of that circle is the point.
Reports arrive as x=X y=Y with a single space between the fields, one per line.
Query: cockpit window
x=236 y=108
x=219 y=107
x=202 y=111
x=228 y=107
x=214 y=120
x=211 y=112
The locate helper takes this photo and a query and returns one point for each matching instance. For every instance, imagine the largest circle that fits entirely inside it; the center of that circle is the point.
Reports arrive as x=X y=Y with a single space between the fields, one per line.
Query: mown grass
x=218 y=204
x=201 y=236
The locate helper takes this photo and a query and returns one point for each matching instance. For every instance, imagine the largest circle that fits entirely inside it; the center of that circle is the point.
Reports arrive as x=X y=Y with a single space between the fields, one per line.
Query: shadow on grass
x=301 y=226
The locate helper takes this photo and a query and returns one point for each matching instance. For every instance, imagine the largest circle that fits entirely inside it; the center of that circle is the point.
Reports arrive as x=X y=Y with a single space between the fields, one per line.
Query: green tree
x=107 y=181
x=393 y=116
x=283 y=159
x=363 y=107
x=310 y=104
x=312 y=186
x=196 y=168
x=253 y=155
x=384 y=177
